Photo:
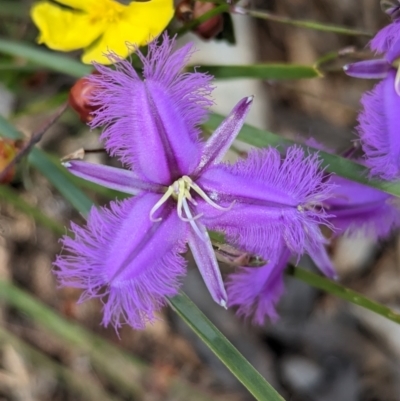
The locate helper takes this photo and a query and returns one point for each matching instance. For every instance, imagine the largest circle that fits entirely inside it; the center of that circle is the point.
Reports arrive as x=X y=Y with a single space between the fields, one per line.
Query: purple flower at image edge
x=355 y=210
x=129 y=254
x=379 y=129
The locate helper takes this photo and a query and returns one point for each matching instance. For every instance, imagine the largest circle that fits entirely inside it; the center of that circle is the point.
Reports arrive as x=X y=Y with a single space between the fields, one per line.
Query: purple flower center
x=180 y=192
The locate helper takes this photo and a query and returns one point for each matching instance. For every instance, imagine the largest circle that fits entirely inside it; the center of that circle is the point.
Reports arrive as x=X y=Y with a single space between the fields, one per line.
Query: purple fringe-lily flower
x=355 y=210
x=129 y=254
x=362 y=210
x=379 y=127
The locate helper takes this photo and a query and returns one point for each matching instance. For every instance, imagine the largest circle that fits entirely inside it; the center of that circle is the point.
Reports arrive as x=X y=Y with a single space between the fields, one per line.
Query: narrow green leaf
x=223 y=349
x=79 y=384
x=52 y=170
x=261 y=71
x=13 y=198
x=116 y=364
x=304 y=23
x=7 y=130
x=342 y=292
x=60 y=180
x=333 y=163
x=45 y=58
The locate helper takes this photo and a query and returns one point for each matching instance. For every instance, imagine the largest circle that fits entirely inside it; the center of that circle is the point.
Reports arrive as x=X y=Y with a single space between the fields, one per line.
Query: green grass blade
x=333 y=163
x=7 y=130
x=223 y=349
x=261 y=71
x=80 y=385
x=342 y=292
x=117 y=365
x=305 y=23
x=15 y=199
x=53 y=171
x=59 y=177
x=44 y=58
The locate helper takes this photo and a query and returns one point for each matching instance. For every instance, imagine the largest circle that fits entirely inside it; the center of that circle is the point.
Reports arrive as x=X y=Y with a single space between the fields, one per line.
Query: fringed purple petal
x=379 y=129
x=274 y=199
x=189 y=91
x=151 y=125
x=385 y=38
x=318 y=254
x=368 y=69
x=223 y=137
x=111 y=177
x=257 y=290
x=204 y=256
x=125 y=259
x=394 y=52
x=361 y=210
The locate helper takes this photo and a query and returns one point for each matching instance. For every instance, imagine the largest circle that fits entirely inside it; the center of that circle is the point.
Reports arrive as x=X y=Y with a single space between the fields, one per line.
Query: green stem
x=342 y=292
x=301 y=23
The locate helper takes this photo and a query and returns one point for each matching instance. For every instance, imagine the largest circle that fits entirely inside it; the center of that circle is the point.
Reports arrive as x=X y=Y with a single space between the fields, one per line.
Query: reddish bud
x=210 y=28
x=79 y=98
x=188 y=10
x=8 y=150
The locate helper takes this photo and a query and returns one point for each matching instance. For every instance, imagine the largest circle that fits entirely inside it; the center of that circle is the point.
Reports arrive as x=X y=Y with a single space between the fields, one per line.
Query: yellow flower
x=99 y=25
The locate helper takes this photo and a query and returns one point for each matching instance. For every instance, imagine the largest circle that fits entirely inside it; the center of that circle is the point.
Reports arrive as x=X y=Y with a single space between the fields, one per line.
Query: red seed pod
x=8 y=150
x=188 y=10
x=79 y=98
x=210 y=28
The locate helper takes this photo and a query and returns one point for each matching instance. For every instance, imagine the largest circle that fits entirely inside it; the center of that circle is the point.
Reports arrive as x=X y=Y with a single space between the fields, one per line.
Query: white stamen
x=222 y=302
x=196 y=188
x=180 y=191
x=162 y=200
x=192 y=222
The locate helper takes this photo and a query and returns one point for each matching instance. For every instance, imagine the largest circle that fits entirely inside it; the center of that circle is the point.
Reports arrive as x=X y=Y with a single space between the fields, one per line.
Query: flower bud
x=188 y=11
x=79 y=99
x=391 y=8
x=8 y=150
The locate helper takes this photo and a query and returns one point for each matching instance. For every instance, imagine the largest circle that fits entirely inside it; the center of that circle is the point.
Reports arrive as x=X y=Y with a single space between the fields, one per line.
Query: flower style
x=129 y=253
x=98 y=26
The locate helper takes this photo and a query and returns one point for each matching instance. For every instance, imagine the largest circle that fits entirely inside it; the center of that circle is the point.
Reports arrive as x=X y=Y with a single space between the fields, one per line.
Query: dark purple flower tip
x=385 y=38
x=391 y=8
x=379 y=129
x=257 y=290
x=368 y=69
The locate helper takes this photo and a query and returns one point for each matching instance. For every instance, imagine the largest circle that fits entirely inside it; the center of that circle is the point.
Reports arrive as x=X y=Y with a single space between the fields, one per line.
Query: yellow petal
x=63 y=29
x=139 y=24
